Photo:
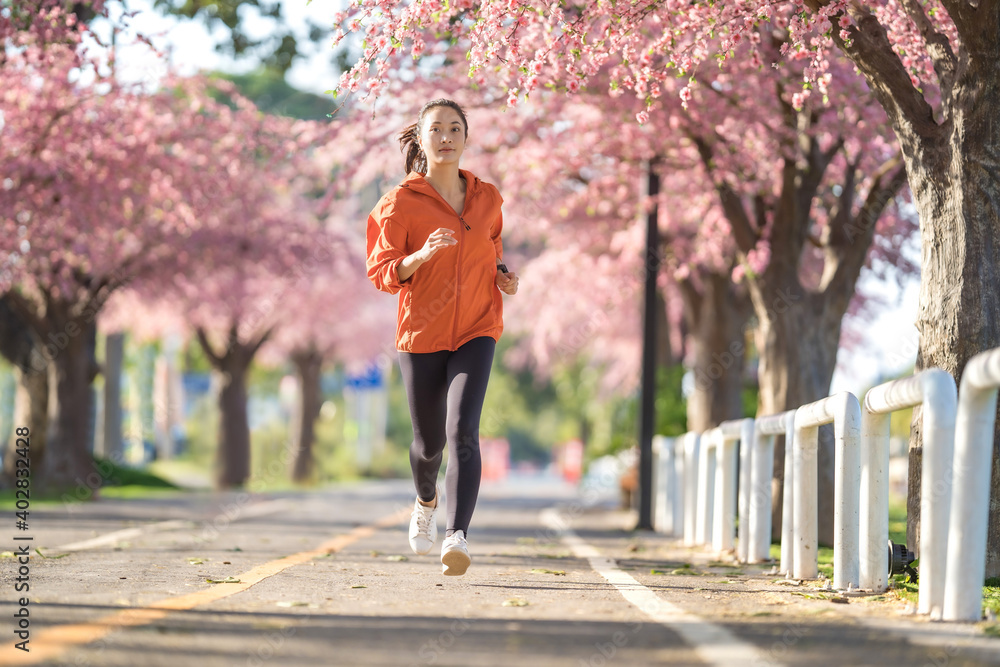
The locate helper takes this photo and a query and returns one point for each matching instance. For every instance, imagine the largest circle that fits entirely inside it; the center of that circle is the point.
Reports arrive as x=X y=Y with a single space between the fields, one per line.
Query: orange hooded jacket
x=453 y=297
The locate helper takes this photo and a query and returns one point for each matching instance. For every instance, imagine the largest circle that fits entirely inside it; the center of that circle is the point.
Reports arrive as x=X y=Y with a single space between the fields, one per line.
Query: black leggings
x=446 y=392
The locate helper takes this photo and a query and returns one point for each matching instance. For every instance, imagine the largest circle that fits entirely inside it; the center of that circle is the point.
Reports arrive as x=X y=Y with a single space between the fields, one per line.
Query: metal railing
x=698 y=497
x=974 y=423
x=935 y=390
x=765 y=429
x=844 y=411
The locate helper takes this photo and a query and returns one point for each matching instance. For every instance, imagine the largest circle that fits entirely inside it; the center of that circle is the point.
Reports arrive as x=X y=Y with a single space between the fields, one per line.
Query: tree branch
x=881 y=194
x=732 y=206
x=207 y=347
x=100 y=290
x=253 y=347
x=817 y=162
x=804 y=183
x=851 y=242
x=760 y=211
x=16 y=337
x=840 y=213
x=689 y=298
x=968 y=18
x=22 y=307
x=870 y=49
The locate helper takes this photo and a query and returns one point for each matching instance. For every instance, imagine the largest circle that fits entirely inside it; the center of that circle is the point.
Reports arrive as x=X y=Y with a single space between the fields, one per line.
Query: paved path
x=327 y=578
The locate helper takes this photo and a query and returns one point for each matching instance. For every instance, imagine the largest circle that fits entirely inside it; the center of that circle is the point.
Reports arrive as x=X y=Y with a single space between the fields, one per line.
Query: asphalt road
x=326 y=578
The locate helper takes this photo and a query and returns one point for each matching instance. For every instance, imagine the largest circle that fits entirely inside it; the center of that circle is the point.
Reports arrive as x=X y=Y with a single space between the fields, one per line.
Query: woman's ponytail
x=409 y=143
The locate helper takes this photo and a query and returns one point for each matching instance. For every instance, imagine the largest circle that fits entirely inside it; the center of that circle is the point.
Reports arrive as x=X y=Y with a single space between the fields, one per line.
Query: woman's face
x=442 y=136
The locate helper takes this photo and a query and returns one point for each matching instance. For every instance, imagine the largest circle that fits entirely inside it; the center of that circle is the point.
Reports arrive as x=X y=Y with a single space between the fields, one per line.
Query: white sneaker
x=455 y=559
x=423 y=526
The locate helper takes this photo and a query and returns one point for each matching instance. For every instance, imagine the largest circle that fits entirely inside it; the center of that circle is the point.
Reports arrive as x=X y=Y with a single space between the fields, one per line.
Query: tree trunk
x=797 y=339
x=959 y=307
x=717 y=317
x=234 y=430
x=31 y=406
x=665 y=354
x=233 y=461
x=951 y=155
x=308 y=364
x=69 y=460
x=31 y=403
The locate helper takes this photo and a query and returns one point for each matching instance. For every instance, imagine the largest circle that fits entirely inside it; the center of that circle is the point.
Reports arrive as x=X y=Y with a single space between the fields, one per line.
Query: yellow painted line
x=50 y=642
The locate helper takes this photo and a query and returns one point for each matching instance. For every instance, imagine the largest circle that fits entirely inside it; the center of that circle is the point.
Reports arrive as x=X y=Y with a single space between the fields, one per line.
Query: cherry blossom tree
x=75 y=237
x=248 y=282
x=31 y=24
x=324 y=313
x=325 y=319
x=576 y=179
x=233 y=308
x=299 y=305
x=85 y=210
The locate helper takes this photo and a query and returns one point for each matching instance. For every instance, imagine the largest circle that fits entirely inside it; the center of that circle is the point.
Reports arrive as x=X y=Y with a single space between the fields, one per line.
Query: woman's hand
x=507 y=282
x=440 y=238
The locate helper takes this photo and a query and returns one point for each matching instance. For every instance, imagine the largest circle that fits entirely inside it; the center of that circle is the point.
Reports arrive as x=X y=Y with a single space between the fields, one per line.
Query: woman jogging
x=435 y=239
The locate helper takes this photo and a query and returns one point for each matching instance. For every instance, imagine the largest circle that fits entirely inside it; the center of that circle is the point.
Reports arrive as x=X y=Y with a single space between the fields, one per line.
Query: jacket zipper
x=458 y=277
x=458 y=264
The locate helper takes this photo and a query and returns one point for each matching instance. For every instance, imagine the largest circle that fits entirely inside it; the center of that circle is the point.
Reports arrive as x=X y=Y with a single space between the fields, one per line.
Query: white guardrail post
x=664 y=487
x=844 y=411
x=761 y=471
x=725 y=506
x=747 y=454
x=935 y=389
x=706 y=486
x=677 y=509
x=668 y=484
x=966 y=559
x=788 y=502
x=692 y=472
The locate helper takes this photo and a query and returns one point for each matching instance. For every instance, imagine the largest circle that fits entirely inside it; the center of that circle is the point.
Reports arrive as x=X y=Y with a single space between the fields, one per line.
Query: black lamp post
x=649 y=316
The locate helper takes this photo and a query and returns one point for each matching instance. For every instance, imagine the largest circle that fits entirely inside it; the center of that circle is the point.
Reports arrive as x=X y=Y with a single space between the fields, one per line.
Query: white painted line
x=259 y=509
x=711 y=643
x=125 y=534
